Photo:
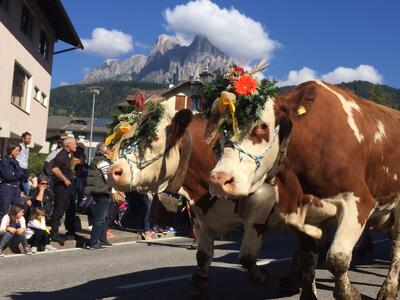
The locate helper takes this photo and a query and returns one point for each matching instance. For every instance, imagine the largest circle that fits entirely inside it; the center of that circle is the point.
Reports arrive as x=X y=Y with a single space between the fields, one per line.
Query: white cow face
x=149 y=168
x=243 y=165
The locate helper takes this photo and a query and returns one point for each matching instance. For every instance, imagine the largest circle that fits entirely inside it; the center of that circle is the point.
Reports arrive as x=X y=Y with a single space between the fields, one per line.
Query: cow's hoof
x=289 y=285
x=350 y=294
x=387 y=292
x=260 y=278
x=199 y=287
x=198 y=295
x=308 y=295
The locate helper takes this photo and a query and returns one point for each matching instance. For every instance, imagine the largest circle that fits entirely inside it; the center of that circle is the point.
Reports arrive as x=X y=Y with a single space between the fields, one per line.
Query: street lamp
x=94 y=91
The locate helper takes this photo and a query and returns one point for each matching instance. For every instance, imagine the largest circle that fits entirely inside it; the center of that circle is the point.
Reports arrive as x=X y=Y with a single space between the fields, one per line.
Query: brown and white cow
x=343 y=150
x=212 y=216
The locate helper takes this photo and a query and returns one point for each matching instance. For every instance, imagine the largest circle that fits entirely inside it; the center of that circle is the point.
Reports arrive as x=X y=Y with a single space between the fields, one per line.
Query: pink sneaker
x=27 y=250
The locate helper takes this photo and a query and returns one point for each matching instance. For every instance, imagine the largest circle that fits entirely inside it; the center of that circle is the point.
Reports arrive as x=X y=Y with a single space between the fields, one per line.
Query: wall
x=17 y=47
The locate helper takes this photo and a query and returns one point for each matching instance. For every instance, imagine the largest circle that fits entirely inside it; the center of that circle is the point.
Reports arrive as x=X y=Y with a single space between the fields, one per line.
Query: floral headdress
x=240 y=92
x=143 y=118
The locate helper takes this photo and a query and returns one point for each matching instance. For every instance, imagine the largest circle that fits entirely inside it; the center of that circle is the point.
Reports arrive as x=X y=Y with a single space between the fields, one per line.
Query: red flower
x=245 y=85
x=238 y=69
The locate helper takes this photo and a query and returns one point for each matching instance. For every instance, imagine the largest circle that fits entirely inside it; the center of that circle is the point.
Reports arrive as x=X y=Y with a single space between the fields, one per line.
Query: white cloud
x=297 y=77
x=231 y=31
x=340 y=74
x=362 y=72
x=64 y=83
x=108 y=43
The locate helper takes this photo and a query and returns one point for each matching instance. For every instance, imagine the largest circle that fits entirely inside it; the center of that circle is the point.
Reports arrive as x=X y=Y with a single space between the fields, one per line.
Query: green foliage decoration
x=248 y=108
x=146 y=126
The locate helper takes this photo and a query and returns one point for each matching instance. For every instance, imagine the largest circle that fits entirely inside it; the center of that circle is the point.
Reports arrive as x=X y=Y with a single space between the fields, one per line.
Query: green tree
x=36 y=162
x=377 y=95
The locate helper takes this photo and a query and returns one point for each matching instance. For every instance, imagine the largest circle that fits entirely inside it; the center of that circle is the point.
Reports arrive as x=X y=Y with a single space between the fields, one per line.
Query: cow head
x=245 y=162
x=150 y=166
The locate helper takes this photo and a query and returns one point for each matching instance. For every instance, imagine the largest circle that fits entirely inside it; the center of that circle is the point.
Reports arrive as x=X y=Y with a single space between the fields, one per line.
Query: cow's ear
x=213 y=122
x=300 y=101
x=179 y=123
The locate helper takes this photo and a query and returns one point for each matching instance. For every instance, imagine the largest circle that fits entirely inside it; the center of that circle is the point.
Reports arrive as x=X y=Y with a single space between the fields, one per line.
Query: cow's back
x=342 y=140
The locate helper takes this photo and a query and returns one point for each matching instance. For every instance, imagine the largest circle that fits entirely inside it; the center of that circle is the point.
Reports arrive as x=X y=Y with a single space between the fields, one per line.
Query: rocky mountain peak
x=168 y=62
x=164 y=43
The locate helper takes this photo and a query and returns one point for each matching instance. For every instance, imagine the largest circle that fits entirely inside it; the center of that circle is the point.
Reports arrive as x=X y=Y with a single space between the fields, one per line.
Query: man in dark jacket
x=62 y=189
x=10 y=176
x=96 y=187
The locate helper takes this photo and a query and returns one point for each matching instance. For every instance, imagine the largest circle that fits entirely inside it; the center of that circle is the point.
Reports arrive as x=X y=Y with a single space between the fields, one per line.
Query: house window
x=180 y=102
x=20 y=86
x=36 y=94
x=26 y=21
x=43 y=99
x=44 y=44
x=4 y=4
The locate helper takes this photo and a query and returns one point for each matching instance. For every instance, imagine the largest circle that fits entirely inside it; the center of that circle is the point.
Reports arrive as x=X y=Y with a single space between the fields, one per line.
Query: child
x=13 y=226
x=37 y=233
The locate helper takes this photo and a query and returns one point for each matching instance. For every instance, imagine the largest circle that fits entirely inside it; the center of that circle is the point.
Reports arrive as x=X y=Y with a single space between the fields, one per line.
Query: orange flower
x=245 y=85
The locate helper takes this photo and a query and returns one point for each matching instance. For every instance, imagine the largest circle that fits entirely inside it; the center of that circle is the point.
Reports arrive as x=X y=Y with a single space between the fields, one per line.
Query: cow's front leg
x=251 y=243
x=353 y=212
x=307 y=256
x=390 y=286
x=204 y=256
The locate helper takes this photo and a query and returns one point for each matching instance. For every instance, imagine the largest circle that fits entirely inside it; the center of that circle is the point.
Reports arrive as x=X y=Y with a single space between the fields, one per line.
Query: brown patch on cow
x=315 y=201
x=202 y=258
x=178 y=126
x=290 y=190
x=389 y=199
x=202 y=161
x=364 y=207
x=259 y=133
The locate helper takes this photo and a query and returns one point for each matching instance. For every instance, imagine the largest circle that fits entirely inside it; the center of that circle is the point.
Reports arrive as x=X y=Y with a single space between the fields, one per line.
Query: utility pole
x=95 y=92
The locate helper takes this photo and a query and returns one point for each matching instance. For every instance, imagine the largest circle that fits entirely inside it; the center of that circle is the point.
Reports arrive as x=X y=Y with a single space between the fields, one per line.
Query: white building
x=28 y=31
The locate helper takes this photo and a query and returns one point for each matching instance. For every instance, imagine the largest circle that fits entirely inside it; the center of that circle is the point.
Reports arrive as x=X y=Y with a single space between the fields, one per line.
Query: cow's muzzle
x=222 y=184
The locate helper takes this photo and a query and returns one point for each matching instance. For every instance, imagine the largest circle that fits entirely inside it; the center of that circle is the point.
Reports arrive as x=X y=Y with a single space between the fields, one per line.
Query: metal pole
x=91 y=125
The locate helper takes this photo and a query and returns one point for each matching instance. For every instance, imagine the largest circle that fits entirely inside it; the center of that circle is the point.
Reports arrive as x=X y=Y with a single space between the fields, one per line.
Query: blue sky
x=333 y=40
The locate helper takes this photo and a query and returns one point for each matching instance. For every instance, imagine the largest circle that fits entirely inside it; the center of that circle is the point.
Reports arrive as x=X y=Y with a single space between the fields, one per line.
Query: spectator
x=42 y=196
x=62 y=189
x=13 y=226
x=38 y=233
x=22 y=159
x=147 y=232
x=48 y=161
x=10 y=176
x=96 y=186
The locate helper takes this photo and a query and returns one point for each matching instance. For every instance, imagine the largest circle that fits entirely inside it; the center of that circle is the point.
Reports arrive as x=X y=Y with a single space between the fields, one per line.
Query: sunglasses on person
x=44 y=183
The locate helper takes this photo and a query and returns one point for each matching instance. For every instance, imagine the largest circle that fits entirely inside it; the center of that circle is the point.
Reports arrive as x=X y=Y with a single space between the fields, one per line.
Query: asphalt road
x=162 y=270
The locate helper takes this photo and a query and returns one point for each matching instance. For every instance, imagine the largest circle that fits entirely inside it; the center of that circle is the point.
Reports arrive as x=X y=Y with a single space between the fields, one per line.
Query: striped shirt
x=23 y=156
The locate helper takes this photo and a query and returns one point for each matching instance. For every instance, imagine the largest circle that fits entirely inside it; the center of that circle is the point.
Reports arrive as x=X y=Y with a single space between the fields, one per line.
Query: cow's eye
x=264 y=126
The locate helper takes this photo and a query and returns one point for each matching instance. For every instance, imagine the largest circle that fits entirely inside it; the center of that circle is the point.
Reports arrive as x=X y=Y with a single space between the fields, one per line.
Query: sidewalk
x=118 y=235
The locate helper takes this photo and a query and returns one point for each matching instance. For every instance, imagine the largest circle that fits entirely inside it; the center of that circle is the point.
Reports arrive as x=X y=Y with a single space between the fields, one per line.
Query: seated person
x=41 y=196
x=37 y=233
x=13 y=229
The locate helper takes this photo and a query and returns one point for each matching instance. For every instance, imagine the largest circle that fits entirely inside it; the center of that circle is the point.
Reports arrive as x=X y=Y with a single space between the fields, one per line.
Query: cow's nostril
x=229 y=181
x=117 y=172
